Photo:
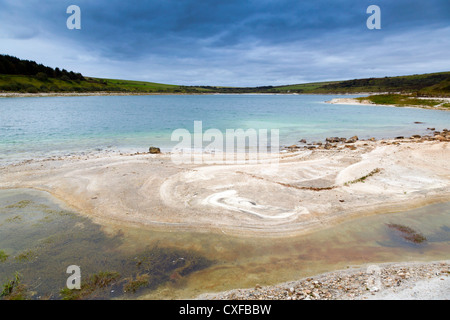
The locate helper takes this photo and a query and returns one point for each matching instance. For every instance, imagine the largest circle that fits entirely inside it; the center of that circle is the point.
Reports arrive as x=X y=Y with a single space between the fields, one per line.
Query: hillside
x=26 y=76
x=433 y=84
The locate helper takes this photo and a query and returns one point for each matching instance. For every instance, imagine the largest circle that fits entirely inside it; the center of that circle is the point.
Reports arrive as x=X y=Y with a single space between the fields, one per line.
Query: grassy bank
x=436 y=84
x=401 y=100
x=34 y=84
x=432 y=84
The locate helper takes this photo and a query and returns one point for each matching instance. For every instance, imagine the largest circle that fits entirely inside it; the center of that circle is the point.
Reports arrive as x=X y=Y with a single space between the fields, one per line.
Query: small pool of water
x=40 y=238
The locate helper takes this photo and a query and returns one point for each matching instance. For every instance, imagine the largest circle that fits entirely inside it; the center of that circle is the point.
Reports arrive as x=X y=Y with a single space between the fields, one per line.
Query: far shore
x=103 y=93
x=388 y=281
x=353 y=101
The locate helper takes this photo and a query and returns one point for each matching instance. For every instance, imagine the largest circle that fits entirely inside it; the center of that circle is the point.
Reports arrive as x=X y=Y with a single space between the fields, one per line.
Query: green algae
x=47 y=239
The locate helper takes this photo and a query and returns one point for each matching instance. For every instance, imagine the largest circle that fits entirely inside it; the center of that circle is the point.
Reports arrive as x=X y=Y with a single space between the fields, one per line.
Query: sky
x=230 y=42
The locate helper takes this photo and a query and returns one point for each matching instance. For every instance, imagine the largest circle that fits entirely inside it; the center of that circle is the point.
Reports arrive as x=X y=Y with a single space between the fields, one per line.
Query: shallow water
x=42 y=238
x=53 y=126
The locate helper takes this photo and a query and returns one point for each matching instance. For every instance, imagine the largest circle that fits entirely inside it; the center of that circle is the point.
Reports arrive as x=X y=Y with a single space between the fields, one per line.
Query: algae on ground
x=3 y=256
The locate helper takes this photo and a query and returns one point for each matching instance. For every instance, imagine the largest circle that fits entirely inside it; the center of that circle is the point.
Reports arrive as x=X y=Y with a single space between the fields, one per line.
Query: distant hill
x=434 y=84
x=26 y=76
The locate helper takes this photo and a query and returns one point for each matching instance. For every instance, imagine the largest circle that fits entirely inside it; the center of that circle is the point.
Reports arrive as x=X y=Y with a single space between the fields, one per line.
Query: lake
x=42 y=127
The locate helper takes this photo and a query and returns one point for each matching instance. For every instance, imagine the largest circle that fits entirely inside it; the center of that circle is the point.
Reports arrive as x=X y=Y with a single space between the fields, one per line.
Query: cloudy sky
x=230 y=42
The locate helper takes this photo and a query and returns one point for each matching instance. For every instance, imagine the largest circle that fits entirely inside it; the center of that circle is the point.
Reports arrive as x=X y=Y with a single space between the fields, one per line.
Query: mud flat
x=308 y=189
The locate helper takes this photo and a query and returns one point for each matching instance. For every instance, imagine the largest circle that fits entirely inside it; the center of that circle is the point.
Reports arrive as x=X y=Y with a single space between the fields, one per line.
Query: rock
x=372 y=139
x=400 y=137
x=154 y=150
x=333 y=139
x=432 y=129
x=328 y=146
x=416 y=136
x=303 y=141
x=439 y=137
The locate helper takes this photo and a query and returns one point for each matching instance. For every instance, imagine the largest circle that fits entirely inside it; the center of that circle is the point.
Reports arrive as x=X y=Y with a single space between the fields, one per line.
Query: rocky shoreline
x=353 y=142
x=405 y=281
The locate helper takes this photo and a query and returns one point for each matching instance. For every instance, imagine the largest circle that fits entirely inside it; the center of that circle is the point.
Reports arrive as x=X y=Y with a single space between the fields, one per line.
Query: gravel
x=399 y=281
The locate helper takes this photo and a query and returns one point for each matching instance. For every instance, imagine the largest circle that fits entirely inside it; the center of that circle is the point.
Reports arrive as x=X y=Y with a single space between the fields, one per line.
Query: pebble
x=342 y=285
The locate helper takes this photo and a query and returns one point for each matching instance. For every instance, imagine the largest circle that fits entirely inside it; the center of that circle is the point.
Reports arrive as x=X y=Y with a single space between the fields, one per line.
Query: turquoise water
x=43 y=127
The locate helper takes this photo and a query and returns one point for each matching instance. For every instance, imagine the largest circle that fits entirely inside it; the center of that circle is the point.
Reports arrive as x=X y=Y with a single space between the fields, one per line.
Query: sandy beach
x=310 y=188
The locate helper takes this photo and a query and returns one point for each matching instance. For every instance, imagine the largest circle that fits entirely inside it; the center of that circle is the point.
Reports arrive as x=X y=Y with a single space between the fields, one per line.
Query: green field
x=31 y=84
x=434 y=84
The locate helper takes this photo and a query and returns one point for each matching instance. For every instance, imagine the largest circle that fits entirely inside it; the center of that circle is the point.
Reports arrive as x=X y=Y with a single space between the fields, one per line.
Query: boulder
x=352 y=139
x=333 y=139
x=154 y=150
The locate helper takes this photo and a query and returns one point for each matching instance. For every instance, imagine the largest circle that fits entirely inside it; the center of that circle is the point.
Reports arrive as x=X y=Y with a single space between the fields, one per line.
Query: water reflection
x=41 y=238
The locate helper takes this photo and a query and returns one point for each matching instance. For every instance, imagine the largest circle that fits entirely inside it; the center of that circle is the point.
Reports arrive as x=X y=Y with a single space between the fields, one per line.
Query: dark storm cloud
x=232 y=42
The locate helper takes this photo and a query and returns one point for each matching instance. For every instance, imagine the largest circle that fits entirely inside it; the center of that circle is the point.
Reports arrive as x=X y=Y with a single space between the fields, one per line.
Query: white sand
x=307 y=191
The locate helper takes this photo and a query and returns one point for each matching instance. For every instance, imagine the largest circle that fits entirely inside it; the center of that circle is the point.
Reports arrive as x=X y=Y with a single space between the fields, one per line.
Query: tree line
x=15 y=66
